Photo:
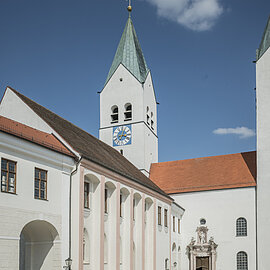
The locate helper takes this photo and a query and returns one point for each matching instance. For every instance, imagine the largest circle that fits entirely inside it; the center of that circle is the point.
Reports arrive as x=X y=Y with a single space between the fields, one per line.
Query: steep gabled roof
x=265 y=43
x=208 y=173
x=129 y=53
x=33 y=135
x=89 y=146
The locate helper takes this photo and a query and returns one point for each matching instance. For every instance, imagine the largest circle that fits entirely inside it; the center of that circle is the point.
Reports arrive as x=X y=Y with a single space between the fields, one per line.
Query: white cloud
x=243 y=132
x=199 y=15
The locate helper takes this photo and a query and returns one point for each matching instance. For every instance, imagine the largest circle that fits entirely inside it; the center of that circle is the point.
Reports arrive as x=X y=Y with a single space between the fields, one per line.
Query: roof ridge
x=20 y=94
x=84 y=143
x=207 y=157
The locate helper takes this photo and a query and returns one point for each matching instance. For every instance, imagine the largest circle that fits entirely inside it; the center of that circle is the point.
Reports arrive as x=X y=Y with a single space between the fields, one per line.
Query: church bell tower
x=128 y=107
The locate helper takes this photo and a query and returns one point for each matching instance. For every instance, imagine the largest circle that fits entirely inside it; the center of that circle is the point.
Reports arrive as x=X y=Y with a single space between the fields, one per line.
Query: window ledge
x=128 y=119
x=40 y=199
x=12 y=193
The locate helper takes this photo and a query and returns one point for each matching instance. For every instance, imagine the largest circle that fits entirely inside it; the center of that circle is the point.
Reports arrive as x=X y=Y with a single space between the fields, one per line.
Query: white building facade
x=119 y=219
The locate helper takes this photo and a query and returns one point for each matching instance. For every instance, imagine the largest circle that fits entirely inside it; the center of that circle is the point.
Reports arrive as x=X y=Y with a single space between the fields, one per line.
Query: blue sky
x=59 y=53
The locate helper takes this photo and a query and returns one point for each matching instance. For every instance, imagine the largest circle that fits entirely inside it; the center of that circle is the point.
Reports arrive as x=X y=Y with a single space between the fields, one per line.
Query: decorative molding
x=202 y=248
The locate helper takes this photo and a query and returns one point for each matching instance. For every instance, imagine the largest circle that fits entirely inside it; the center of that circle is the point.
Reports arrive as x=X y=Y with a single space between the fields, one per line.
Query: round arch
x=38 y=249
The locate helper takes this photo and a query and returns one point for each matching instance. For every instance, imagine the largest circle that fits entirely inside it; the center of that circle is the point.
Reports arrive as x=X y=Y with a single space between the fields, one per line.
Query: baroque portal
x=202 y=253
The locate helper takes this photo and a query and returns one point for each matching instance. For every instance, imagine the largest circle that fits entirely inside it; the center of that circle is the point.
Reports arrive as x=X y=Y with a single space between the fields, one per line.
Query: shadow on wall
x=37 y=248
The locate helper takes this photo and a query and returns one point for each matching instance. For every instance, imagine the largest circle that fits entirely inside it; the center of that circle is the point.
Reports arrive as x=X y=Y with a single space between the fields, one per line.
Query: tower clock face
x=122 y=135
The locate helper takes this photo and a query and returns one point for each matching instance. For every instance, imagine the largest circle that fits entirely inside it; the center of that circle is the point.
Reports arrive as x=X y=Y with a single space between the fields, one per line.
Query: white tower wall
x=263 y=159
x=121 y=89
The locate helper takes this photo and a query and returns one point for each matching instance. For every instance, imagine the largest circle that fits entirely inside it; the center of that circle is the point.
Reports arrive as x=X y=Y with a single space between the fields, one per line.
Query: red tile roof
x=33 y=135
x=208 y=173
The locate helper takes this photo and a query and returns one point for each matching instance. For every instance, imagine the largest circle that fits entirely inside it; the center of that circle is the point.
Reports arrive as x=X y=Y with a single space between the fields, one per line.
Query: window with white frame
x=241 y=227
x=242 y=261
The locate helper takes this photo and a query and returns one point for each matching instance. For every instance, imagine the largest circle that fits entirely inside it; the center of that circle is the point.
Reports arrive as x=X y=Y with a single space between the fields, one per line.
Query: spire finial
x=129 y=6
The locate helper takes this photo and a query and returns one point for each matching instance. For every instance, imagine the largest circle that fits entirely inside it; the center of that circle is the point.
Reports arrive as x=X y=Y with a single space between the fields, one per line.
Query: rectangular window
x=165 y=217
x=121 y=204
x=134 y=204
x=178 y=225
x=159 y=215
x=40 y=184
x=86 y=195
x=8 y=176
x=106 y=201
x=173 y=224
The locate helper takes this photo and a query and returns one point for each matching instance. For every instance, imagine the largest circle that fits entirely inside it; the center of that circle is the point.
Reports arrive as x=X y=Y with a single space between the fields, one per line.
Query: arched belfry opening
x=38 y=247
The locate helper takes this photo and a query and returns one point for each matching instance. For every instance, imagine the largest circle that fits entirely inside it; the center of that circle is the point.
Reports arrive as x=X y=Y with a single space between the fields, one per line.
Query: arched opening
x=38 y=249
x=128 y=112
x=86 y=247
x=105 y=250
x=241 y=227
x=114 y=114
x=179 y=257
x=147 y=115
x=152 y=120
x=121 y=251
x=91 y=183
x=174 y=256
x=124 y=193
x=242 y=261
x=109 y=189
x=136 y=200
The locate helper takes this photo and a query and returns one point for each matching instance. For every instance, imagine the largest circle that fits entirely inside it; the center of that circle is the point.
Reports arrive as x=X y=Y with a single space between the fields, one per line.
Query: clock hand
x=122 y=133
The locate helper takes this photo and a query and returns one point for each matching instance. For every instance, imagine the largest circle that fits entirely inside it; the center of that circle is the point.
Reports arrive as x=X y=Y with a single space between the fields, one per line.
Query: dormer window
x=128 y=112
x=114 y=115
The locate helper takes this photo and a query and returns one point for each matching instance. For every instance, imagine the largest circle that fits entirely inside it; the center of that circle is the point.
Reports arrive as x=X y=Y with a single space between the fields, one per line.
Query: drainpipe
x=69 y=231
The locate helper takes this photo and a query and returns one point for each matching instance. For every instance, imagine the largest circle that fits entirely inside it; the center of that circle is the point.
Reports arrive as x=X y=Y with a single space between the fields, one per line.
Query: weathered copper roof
x=33 y=135
x=265 y=43
x=129 y=53
x=208 y=173
x=89 y=146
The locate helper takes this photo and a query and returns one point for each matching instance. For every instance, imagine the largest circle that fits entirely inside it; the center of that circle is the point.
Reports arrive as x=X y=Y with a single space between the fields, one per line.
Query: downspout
x=69 y=230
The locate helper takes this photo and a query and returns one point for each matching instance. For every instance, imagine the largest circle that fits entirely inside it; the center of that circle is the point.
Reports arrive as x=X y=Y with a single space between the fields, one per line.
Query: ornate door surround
x=202 y=248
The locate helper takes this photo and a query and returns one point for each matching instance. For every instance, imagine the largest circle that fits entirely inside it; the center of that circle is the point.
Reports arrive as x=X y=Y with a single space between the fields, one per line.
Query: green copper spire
x=265 y=43
x=129 y=53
